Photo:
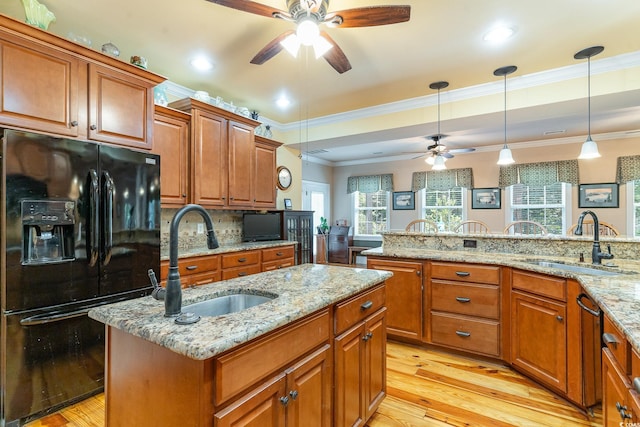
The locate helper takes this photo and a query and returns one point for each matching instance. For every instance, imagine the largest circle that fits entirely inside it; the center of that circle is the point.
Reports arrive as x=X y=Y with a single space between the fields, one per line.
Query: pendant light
x=437 y=161
x=589 y=147
x=505 y=157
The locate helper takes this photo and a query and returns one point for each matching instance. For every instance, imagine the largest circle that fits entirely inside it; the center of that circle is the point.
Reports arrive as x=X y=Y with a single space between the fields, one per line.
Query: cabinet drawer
x=274 y=265
x=469 y=299
x=540 y=284
x=192 y=265
x=349 y=312
x=232 y=273
x=466 y=272
x=238 y=259
x=617 y=345
x=480 y=336
x=274 y=254
x=239 y=369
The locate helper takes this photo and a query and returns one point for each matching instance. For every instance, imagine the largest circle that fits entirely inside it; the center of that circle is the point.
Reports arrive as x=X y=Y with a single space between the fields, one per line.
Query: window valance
x=370 y=183
x=628 y=169
x=542 y=173
x=442 y=180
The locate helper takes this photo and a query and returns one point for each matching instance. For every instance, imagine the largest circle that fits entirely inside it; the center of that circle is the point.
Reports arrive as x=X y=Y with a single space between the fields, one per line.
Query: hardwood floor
x=425 y=387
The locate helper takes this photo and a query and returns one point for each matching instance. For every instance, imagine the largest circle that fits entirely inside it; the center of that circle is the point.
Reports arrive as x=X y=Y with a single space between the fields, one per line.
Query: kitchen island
x=317 y=348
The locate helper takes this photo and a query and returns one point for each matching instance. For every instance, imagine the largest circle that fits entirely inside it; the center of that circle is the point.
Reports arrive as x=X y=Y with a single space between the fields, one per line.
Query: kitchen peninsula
x=311 y=350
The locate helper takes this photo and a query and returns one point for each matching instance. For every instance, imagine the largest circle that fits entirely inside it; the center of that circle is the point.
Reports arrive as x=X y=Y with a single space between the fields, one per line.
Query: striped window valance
x=628 y=169
x=370 y=183
x=442 y=180
x=543 y=173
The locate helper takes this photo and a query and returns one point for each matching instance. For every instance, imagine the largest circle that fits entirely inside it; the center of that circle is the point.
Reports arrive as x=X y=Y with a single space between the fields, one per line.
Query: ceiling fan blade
x=251 y=7
x=335 y=56
x=369 y=16
x=446 y=155
x=271 y=49
x=462 y=150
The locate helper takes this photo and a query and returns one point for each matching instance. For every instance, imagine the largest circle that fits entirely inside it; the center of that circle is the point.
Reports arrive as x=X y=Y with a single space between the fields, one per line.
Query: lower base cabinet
x=615 y=398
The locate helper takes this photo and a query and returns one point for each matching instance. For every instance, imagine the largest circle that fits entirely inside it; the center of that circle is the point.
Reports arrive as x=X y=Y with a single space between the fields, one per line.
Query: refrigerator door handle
x=93 y=231
x=41 y=319
x=109 y=192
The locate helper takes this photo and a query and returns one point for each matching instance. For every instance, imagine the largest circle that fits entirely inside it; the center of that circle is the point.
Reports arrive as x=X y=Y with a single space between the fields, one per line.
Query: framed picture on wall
x=287 y=204
x=404 y=200
x=598 y=195
x=486 y=198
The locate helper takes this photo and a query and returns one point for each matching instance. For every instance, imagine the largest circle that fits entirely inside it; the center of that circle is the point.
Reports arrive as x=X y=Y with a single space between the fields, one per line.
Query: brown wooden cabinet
x=339 y=240
x=52 y=85
x=241 y=164
x=403 y=296
x=297 y=226
x=194 y=271
x=265 y=177
x=360 y=351
x=171 y=142
x=275 y=258
x=619 y=397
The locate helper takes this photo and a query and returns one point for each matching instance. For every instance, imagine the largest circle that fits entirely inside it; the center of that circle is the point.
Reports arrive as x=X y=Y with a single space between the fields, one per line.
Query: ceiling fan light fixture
x=589 y=149
x=291 y=44
x=307 y=32
x=505 y=157
x=438 y=164
x=321 y=46
x=430 y=160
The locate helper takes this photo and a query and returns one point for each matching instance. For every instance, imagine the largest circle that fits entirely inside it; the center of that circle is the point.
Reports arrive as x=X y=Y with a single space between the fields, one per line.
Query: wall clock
x=284 y=177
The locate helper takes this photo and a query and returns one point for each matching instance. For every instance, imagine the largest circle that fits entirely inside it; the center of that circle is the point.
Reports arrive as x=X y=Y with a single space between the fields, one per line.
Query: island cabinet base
x=285 y=378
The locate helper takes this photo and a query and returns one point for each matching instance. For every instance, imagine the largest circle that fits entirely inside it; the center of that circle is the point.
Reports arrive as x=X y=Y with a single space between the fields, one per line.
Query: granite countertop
x=618 y=296
x=301 y=290
x=226 y=248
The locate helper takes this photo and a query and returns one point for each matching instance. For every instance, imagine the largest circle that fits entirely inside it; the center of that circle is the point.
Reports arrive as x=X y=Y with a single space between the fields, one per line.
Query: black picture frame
x=404 y=200
x=486 y=198
x=602 y=195
x=287 y=204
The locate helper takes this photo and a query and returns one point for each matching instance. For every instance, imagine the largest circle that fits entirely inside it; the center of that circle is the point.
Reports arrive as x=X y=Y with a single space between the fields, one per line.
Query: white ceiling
x=391 y=64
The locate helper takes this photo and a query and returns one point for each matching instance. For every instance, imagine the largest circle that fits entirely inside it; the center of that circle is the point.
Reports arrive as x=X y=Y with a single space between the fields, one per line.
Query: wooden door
x=241 y=165
x=539 y=338
x=264 y=180
x=374 y=379
x=120 y=108
x=349 y=372
x=208 y=159
x=260 y=408
x=404 y=297
x=171 y=142
x=309 y=390
x=614 y=394
x=39 y=87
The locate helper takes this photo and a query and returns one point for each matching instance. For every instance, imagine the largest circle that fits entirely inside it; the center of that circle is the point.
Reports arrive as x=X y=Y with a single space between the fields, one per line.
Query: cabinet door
x=539 y=339
x=241 y=165
x=120 y=108
x=171 y=142
x=374 y=380
x=349 y=373
x=260 y=408
x=404 y=297
x=264 y=181
x=208 y=159
x=39 y=88
x=614 y=394
x=309 y=390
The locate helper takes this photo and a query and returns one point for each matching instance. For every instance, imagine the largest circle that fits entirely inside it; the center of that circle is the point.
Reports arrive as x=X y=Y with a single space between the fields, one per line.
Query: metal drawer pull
x=279 y=254
x=366 y=306
x=579 y=298
x=463 y=299
x=242 y=260
x=463 y=334
x=623 y=411
x=191 y=267
x=463 y=273
x=609 y=339
x=242 y=273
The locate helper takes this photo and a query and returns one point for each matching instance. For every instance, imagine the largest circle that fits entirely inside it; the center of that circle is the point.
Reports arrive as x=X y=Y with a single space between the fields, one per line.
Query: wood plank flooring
x=428 y=388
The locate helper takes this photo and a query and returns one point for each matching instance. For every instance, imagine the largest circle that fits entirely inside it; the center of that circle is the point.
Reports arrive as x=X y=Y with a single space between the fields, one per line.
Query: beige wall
x=486 y=171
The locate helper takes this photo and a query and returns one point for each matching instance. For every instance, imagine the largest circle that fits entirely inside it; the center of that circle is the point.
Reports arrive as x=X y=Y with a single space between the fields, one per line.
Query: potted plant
x=323 y=228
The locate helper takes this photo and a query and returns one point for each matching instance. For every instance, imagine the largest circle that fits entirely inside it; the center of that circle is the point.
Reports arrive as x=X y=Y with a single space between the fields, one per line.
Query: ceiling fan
x=308 y=15
x=438 y=152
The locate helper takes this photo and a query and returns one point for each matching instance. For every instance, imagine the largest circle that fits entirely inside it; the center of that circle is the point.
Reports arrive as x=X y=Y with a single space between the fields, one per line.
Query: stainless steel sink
x=226 y=304
x=574 y=268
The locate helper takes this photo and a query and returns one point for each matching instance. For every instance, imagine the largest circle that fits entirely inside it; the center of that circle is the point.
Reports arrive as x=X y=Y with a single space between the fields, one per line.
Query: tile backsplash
x=226 y=224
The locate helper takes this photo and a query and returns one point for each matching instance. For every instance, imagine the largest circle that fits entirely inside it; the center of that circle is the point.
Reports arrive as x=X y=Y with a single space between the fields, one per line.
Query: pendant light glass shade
x=505 y=157
x=438 y=164
x=589 y=147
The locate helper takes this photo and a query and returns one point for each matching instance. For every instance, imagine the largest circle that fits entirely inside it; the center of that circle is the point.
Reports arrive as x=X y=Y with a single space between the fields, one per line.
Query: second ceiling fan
x=308 y=15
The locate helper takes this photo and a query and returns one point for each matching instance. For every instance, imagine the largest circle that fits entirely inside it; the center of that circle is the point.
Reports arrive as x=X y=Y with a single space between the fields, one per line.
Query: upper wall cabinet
x=52 y=85
x=226 y=161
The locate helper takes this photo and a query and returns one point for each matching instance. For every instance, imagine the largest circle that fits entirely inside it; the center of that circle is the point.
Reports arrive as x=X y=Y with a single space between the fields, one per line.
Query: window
x=636 y=207
x=370 y=212
x=544 y=204
x=444 y=207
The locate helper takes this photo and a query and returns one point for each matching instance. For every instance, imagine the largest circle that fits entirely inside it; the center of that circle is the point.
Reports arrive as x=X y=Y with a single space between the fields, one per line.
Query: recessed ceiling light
x=283 y=102
x=498 y=34
x=201 y=64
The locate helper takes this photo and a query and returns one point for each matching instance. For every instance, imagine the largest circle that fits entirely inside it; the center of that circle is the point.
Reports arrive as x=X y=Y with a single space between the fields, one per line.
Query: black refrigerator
x=80 y=227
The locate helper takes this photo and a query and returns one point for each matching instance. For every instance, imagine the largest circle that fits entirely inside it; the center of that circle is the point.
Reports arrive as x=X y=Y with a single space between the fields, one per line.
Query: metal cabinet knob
x=74 y=123
x=293 y=394
x=93 y=127
x=284 y=400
